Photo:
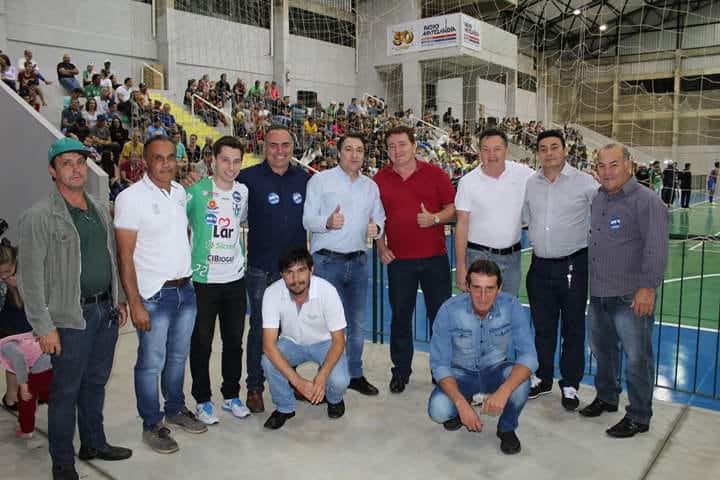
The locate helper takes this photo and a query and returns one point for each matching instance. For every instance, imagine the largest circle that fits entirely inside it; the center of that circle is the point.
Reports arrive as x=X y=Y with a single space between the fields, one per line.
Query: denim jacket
x=48 y=273
x=461 y=340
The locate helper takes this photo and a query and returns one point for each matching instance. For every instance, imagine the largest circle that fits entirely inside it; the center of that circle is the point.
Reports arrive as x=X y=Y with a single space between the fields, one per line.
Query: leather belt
x=495 y=251
x=340 y=256
x=177 y=283
x=562 y=259
x=99 y=298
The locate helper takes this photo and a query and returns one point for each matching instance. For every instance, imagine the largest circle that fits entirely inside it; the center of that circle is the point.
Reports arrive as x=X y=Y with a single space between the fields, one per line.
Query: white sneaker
x=205 y=412
x=237 y=407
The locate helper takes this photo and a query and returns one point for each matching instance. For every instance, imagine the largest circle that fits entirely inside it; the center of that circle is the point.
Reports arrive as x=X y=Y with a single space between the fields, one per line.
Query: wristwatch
x=436 y=220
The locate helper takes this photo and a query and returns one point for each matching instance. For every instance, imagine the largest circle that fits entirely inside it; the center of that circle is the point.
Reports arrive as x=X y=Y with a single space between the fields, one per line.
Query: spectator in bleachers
x=9 y=75
x=71 y=114
x=90 y=113
x=107 y=67
x=118 y=133
x=87 y=74
x=135 y=145
x=101 y=138
x=28 y=57
x=180 y=155
x=133 y=169
x=256 y=92
x=106 y=81
x=238 y=92
x=28 y=85
x=79 y=130
x=190 y=90
x=156 y=128
x=167 y=118
x=122 y=95
x=194 y=153
x=93 y=89
x=222 y=87
x=104 y=101
x=66 y=72
x=274 y=92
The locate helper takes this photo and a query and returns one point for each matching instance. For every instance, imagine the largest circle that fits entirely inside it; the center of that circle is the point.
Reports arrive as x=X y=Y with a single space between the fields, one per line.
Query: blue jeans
x=162 y=352
x=280 y=389
x=404 y=276
x=442 y=409
x=611 y=322
x=80 y=373
x=69 y=83
x=509 y=267
x=350 y=279
x=256 y=281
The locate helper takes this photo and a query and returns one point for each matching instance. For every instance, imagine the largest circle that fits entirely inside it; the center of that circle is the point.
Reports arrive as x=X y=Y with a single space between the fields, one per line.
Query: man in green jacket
x=68 y=279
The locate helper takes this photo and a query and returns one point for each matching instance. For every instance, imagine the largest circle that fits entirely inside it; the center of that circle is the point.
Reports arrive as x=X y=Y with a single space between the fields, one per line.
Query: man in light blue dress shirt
x=342 y=209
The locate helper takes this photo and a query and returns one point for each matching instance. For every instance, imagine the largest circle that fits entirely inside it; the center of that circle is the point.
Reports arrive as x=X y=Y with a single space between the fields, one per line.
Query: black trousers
x=226 y=301
x=685 y=198
x=552 y=299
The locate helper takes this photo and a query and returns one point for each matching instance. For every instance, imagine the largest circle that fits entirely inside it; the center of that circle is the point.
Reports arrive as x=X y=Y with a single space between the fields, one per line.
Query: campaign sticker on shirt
x=211 y=219
x=614 y=223
x=273 y=198
x=297 y=198
x=236 y=196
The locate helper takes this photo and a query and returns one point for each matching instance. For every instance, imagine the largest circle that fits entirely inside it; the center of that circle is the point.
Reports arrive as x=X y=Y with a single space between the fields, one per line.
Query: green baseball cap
x=65 y=145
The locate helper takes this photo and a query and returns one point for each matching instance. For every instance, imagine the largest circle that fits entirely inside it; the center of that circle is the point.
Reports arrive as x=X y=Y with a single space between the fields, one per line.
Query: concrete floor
x=389 y=436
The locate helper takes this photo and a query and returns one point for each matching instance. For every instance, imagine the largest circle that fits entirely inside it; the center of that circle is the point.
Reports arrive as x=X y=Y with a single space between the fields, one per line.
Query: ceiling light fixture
x=603 y=27
x=577 y=11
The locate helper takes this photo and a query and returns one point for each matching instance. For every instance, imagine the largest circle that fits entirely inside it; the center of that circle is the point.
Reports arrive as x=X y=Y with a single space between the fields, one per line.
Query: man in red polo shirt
x=418 y=199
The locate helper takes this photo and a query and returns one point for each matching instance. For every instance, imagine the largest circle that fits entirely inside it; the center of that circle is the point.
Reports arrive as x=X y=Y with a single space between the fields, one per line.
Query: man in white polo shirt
x=489 y=204
x=154 y=251
x=310 y=314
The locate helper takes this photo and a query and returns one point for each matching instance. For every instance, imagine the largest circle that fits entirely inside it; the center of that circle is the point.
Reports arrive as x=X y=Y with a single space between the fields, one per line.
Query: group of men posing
x=81 y=274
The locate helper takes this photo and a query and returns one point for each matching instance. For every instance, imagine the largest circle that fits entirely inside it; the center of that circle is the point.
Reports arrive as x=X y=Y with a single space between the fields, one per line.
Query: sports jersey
x=215 y=216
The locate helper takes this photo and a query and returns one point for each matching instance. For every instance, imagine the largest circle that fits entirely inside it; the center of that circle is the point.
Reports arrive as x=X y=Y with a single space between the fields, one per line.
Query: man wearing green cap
x=75 y=303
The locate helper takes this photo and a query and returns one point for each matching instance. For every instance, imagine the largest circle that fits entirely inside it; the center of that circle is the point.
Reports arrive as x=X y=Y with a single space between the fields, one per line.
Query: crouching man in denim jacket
x=468 y=355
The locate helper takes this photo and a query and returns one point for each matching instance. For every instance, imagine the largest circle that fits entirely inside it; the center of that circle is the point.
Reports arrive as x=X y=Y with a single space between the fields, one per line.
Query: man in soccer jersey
x=216 y=207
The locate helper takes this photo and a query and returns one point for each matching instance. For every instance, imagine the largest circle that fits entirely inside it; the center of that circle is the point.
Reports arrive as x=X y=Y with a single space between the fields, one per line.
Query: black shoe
x=108 y=452
x=336 y=410
x=360 y=384
x=509 y=442
x=597 y=407
x=397 y=383
x=8 y=406
x=277 y=419
x=540 y=389
x=627 y=428
x=569 y=399
x=452 y=424
x=64 y=472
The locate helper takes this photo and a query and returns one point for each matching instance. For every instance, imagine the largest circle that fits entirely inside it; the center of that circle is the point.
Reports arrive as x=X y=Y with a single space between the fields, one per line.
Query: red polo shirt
x=402 y=198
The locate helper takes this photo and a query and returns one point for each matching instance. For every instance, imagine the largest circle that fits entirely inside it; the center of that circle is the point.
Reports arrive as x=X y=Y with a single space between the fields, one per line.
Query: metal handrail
x=444 y=132
x=162 y=77
x=380 y=100
x=219 y=110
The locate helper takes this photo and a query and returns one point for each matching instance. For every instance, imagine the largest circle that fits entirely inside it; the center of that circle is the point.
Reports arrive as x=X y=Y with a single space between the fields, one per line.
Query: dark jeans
x=685 y=198
x=80 y=373
x=226 y=301
x=404 y=276
x=442 y=409
x=350 y=279
x=551 y=299
x=257 y=281
x=613 y=321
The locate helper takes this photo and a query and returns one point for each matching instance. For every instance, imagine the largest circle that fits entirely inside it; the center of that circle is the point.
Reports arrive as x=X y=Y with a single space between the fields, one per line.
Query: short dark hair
x=293 y=255
x=230 y=142
x=126 y=80
x=153 y=139
x=279 y=126
x=484 y=267
x=550 y=134
x=400 y=130
x=356 y=135
x=717 y=164
x=492 y=132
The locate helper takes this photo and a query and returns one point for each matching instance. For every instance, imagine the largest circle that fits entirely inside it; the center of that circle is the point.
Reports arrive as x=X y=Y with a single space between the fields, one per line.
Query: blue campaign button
x=614 y=223
x=273 y=198
x=297 y=198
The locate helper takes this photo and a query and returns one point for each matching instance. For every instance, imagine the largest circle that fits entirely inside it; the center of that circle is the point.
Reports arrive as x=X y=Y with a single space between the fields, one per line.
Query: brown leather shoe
x=255 y=402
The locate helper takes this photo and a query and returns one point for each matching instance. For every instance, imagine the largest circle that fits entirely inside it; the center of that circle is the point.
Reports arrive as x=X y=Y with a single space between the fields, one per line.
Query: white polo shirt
x=162 y=251
x=494 y=204
x=321 y=314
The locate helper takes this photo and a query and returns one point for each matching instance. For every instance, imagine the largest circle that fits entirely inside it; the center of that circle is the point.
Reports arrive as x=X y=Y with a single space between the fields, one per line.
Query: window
x=249 y=12
x=321 y=27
